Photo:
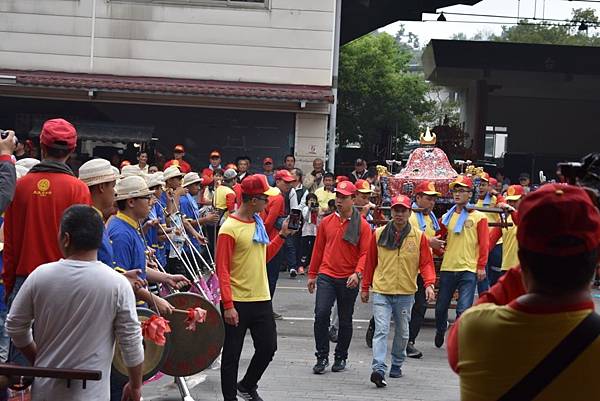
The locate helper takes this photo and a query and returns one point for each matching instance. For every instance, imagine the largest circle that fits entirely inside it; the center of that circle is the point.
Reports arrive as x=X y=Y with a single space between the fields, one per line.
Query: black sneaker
x=370 y=333
x=320 y=366
x=277 y=316
x=412 y=352
x=333 y=334
x=378 y=378
x=293 y=273
x=248 y=395
x=338 y=365
x=439 y=339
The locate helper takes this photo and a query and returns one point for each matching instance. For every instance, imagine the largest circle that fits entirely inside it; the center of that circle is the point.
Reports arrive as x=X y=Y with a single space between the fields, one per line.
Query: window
x=496 y=141
x=218 y=3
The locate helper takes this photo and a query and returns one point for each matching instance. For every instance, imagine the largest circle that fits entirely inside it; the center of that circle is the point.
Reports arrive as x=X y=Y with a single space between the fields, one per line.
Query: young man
x=177 y=161
x=68 y=335
x=214 y=162
x=224 y=198
x=33 y=218
x=243 y=167
x=465 y=257
x=398 y=253
x=289 y=162
x=243 y=249
x=510 y=247
x=552 y=329
x=277 y=210
x=142 y=158
x=314 y=180
x=363 y=198
x=425 y=220
x=326 y=193
x=336 y=267
x=268 y=171
x=360 y=171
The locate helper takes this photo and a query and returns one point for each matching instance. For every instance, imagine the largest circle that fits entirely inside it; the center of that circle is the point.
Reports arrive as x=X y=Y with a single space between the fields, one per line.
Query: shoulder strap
x=558 y=360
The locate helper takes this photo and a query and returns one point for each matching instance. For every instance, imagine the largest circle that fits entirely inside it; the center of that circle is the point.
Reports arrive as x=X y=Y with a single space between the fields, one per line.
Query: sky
x=553 y=9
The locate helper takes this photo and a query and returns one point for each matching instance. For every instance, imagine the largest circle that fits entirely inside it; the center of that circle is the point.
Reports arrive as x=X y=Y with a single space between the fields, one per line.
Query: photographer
x=8 y=175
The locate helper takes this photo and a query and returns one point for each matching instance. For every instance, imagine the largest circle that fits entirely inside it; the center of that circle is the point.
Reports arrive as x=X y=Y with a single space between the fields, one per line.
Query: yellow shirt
x=397 y=269
x=220 y=198
x=487 y=372
x=510 y=247
x=324 y=197
x=468 y=249
x=414 y=222
x=491 y=217
x=248 y=269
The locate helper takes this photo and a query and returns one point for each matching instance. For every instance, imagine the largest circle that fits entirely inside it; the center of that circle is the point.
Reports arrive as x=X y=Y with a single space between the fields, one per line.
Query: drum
x=154 y=355
x=193 y=351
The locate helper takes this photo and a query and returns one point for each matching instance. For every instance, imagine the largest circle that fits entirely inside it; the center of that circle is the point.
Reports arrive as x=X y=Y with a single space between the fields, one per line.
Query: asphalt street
x=290 y=377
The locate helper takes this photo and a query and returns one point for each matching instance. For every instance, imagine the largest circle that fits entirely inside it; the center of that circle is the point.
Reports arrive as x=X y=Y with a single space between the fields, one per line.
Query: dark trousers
x=308 y=242
x=258 y=318
x=291 y=248
x=493 y=265
x=465 y=282
x=330 y=290
x=417 y=315
x=273 y=270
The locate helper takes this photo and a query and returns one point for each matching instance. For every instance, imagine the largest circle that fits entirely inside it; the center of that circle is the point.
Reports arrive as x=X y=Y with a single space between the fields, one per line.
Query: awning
x=105 y=131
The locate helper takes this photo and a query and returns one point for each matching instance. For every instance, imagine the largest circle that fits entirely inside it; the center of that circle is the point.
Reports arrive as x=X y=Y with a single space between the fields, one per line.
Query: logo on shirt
x=469 y=223
x=411 y=245
x=43 y=188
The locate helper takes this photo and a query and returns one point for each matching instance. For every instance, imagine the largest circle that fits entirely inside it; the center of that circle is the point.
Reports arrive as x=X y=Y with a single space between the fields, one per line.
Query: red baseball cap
x=427 y=188
x=401 y=200
x=179 y=149
x=59 y=134
x=214 y=153
x=558 y=220
x=267 y=160
x=284 y=175
x=514 y=192
x=493 y=182
x=485 y=177
x=341 y=178
x=363 y=186
x=345 y=188
x=257 y=184
x=463 y=181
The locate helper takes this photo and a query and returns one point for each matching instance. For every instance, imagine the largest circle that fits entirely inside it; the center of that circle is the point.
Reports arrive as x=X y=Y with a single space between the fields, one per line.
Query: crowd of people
x=65 y=237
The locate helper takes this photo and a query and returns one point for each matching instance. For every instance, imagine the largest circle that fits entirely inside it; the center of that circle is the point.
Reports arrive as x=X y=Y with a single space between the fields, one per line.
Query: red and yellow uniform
x=394 y=271
x=33 y=218
x=510 y=248
x=224 y=199
x=467 y=250
x=334 y=256
x=487 y=372
x=241 y=262
x=274 y=210
x=183 y=166
x=429 y=228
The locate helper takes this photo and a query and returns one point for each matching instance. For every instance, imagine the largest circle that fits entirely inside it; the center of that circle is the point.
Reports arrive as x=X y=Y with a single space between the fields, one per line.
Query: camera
x=4 y=135
x=312 y=204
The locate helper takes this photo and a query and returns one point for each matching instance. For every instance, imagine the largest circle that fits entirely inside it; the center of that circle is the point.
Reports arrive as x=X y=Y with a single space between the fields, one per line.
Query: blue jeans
x=384 y=306
x=330 y=290
x=494 y=263
x=465 y=282
x=291 y=252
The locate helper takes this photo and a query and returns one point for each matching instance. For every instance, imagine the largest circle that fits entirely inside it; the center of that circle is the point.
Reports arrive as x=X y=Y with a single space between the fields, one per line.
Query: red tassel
x=155 y=328
x=194 y=316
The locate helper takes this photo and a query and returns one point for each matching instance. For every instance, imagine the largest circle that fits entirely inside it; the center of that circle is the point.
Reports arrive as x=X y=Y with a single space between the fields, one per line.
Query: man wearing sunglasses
x=465 y=257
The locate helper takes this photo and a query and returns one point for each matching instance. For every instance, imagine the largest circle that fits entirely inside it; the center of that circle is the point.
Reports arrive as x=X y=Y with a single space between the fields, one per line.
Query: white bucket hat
x=172 y=172
x=155 y=179
x=131 y=170
x=96 y=171
x=191 y=178
x=132 y=187
x=27 y=162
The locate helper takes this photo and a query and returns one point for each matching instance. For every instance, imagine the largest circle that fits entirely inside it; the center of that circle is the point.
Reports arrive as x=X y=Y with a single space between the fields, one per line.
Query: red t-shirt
x=32 y=221
x=182 y=164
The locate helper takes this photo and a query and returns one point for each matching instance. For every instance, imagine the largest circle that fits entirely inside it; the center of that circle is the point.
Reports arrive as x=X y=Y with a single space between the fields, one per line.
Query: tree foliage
x=378 y=96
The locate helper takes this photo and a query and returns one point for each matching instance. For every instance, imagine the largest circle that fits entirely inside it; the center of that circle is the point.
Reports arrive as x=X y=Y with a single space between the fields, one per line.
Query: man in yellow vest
x=398 y=252
x=465 y=256
x=510 y=248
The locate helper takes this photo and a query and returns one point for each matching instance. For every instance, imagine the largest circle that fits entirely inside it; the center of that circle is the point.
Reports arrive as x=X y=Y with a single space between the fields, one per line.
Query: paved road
x=290 y=377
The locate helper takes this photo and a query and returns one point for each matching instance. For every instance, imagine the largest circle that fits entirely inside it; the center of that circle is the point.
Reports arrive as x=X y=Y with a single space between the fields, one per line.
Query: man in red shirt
x=178 y=161
x=32 y=220
x=336 y=267
x=275 y=213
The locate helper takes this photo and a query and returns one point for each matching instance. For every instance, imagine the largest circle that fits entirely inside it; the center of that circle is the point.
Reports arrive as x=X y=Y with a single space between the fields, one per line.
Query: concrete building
x=524 y=106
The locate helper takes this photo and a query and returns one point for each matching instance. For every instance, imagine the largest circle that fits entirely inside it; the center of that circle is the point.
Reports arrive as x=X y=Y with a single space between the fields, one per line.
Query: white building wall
x=288 y=42
x=310 y=139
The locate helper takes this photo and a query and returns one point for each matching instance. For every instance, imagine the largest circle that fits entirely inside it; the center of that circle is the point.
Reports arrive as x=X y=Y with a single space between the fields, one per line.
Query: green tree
x=379 y=99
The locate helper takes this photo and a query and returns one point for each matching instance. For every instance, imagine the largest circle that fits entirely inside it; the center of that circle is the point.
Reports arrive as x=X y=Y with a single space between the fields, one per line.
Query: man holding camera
x=8 y=175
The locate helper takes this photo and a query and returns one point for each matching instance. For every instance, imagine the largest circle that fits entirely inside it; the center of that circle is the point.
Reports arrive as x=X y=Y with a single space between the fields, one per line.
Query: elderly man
x=314 y=179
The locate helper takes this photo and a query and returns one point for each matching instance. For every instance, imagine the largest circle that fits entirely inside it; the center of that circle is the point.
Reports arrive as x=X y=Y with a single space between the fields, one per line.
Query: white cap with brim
x=96 y=171
x=132 y=187
x=191 y=178
x=27 y=162
x=172 y=172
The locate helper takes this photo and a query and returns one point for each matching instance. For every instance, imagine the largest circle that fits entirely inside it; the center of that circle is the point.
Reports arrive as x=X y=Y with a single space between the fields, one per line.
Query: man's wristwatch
x=359 y=275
